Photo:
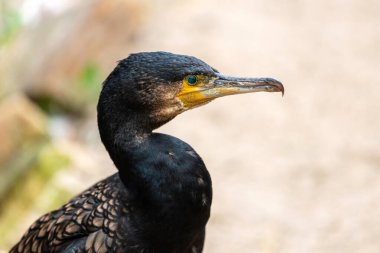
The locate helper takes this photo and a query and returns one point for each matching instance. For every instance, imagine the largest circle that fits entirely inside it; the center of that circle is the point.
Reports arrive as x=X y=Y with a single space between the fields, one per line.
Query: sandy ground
x=299 y=173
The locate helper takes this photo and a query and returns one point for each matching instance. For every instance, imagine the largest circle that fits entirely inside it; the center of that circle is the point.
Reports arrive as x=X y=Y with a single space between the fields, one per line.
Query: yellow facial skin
x=191 y=95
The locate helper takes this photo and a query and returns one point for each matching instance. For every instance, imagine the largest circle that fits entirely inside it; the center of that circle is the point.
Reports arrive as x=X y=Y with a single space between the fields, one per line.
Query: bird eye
x=191 y=79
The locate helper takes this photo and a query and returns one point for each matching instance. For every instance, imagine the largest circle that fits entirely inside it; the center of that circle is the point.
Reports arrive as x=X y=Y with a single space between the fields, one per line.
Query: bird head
x=162 y=85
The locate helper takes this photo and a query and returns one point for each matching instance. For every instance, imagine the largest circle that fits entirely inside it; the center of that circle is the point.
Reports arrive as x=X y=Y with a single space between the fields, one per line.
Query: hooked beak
x=224 y=86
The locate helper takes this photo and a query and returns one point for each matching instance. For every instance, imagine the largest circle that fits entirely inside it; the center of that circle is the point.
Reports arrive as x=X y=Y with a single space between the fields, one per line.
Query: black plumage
x=160 y=199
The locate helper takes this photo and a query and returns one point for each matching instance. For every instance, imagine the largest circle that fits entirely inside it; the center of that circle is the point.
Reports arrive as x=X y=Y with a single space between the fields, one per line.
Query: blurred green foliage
x=10 y=25
x=90 y=80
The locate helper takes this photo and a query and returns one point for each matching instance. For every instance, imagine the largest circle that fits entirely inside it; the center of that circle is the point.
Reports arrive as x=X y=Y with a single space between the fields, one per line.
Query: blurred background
x=299 y=173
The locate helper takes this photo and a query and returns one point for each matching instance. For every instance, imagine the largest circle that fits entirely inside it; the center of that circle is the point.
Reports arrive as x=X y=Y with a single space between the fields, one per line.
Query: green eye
x=191 y=79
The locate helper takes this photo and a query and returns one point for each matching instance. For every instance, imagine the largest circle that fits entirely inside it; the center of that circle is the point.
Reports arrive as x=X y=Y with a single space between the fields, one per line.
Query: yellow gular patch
x=190 y=94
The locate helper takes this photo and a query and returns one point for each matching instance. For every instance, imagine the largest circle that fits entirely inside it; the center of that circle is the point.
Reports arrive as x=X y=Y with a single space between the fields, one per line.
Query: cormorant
x=160 y=199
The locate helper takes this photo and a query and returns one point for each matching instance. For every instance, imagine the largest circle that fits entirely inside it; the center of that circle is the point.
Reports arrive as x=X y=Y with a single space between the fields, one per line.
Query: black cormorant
x=160 y=199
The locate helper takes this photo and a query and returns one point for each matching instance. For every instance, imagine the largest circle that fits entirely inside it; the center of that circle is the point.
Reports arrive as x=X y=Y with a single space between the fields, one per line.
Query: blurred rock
x=23 y=130
x=22 y=124
x=28 y=160
x=77 y=46
x=71 y=73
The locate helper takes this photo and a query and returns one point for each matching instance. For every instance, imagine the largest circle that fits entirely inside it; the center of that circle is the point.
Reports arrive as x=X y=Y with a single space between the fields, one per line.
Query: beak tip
x=279 y=87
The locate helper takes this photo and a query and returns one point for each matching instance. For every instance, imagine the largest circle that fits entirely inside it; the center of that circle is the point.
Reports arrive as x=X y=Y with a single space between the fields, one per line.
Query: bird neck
x=122 y=138
x=125 y=131
x=122 y=129
x=152 y=169
x=125 y=125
